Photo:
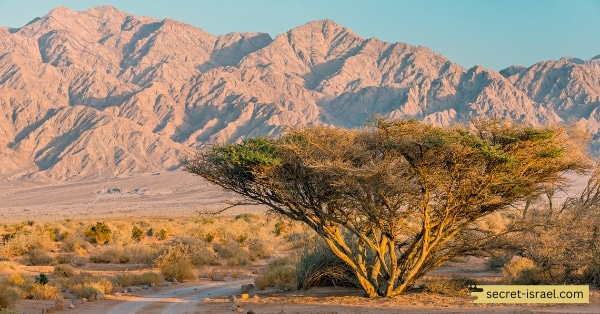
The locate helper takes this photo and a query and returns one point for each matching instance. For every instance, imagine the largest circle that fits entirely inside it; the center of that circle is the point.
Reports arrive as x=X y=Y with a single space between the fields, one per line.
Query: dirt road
x=183 y=300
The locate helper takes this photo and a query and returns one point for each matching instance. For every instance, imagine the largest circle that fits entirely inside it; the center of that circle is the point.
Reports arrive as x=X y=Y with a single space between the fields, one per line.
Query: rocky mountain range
x=103 y=93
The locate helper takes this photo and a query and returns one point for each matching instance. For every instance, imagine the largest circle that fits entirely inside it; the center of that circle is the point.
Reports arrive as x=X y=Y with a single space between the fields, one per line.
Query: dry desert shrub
x=178 y=259
x=84 y=285
x=64 y=270
x=319 y=267
x=281 y=274
x=112 y=254
x=25 y=240
x=142 y=253
x=454 y=286
x=39 y=291
x=39 y=256
x=74 y=243
x=8 y=297
x=71 y=259
x=129 y=279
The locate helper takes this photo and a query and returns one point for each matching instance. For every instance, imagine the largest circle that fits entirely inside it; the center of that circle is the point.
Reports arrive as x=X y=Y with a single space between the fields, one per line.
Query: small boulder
x=100 y=296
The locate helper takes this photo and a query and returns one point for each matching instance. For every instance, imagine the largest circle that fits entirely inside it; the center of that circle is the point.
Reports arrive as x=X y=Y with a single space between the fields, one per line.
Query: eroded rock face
x=101 y=92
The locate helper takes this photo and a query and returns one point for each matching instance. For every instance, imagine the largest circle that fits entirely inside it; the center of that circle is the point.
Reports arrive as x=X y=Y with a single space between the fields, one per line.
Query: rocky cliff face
x=101 y=93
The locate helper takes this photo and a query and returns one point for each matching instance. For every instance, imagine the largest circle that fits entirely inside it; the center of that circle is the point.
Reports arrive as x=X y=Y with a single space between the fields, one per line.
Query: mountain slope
x=103 y=93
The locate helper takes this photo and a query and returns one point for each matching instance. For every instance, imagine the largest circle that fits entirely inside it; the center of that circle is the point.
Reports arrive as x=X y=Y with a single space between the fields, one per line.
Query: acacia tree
x=398 y=199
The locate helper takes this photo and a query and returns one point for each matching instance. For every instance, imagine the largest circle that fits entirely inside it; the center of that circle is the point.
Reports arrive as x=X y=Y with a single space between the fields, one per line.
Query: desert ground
x=206 y=296
x=175 y=194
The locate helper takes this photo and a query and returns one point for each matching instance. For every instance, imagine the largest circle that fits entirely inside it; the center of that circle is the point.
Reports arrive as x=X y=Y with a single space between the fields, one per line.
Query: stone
x=50 y=310
x=152 y=284
x=83 y=300
x=145 y=287
x=232 y=298
x=245 y=296
x=247 y=288
x=130 y=289
x=71 y=306
x=100 y=296
x=250 y=312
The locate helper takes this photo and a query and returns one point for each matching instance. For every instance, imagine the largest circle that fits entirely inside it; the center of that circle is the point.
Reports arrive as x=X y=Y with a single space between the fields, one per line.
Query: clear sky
x=491 y=33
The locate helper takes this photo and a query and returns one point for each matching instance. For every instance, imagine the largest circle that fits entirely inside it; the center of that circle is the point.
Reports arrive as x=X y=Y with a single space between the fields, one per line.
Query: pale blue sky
x=491 y=33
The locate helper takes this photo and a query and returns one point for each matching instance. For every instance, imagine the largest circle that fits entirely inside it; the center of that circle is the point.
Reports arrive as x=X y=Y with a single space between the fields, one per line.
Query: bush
x=181 y=270
x=85 y=285
x=143 y=254
x=64 y=270
x=162 y=235
x=8 y=297
x=74 y=243
x=71 y=259
x=281 y=274
x=38 y=257
x=320 y=267
x=178 y=259
x=519 y=271
x=455 y=286
x=39 y=291
x=100 y=233
x=111 y=255
x=42 y=279
x=128 y=279
x=137 y=234
x=235 y=253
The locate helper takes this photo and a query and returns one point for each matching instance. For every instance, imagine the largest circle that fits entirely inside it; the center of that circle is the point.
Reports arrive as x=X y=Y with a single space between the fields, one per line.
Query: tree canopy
x=397 y=199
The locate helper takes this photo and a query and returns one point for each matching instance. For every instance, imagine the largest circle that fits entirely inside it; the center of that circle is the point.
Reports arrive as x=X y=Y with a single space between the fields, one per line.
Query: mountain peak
x=60 y=11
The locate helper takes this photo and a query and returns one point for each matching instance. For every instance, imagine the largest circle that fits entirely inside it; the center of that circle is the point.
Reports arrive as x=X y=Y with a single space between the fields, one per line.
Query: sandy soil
x=213 y=297
x=170 y=193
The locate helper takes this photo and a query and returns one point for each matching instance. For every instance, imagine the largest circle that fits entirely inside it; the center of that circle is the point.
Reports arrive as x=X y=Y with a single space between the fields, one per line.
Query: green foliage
x=162 y=234
x=137 y=234
x=100 y=233
x=251 y=152
x=409 y=193
x=41 y=279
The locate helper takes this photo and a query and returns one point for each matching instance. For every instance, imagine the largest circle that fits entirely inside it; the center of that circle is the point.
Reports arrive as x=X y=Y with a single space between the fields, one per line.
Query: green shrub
x=162 y=234
x=137 y=234
x=42 y=279
x=100 y=233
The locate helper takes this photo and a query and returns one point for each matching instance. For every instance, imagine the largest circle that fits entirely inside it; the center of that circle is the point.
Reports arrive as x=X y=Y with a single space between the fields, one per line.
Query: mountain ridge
x=101 y=92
